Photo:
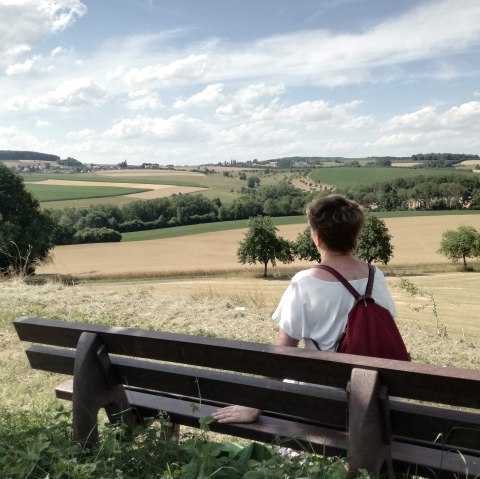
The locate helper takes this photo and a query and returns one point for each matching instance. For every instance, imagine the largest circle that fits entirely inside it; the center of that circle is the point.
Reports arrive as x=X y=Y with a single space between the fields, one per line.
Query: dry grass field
x=415 y=240
x=190 y=262
x=147 y=172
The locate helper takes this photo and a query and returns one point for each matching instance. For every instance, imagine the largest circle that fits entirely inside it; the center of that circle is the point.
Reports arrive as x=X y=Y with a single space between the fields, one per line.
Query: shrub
x=97 y=235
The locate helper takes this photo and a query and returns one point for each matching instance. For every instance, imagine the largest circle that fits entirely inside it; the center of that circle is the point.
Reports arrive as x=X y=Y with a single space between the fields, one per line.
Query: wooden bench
x=373 y=411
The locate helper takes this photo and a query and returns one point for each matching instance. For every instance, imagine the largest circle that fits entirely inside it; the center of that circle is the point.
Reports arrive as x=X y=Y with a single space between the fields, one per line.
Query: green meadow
x=344 y=177
x=45 y=193
x=177 y=231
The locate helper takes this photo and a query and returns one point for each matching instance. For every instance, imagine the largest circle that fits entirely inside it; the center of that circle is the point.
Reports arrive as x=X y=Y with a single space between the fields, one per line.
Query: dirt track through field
x=415 y=240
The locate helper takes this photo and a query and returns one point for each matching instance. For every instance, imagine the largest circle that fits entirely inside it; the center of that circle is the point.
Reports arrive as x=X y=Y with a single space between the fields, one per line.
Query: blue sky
x=203 y=81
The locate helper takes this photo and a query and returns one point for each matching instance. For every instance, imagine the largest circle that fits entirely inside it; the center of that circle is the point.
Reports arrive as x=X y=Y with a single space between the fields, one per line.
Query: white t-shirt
x=318 y=309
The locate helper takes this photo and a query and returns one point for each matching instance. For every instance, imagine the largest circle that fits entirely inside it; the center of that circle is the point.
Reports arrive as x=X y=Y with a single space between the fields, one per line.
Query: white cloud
x=57 y=51
x=430 y=32
x=422 y=118
x=17 y=102
x=144 y=100
x=428 y=129
x=190 y=68
x=464 y=116
x=26 y=23
x=421 y=140
x=24 y=67
x=210 y=95
x=255 y=92
x=174 y=128
x=258 y=133
x=70 y=94
x=81 y=135
x=42 y=123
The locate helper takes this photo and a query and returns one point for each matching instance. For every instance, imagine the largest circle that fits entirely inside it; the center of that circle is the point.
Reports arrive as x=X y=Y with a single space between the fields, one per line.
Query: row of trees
x=261 y=244
x=281 y=199
x=445 y=192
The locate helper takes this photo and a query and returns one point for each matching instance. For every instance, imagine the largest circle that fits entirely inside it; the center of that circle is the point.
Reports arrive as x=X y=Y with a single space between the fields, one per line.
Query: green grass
x=344 y=177
x=189 y=230
x=46 y=193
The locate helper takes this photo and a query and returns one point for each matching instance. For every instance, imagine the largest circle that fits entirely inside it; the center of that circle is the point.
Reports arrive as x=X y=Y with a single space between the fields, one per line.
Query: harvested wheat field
x=415 y=239
x=147 y=172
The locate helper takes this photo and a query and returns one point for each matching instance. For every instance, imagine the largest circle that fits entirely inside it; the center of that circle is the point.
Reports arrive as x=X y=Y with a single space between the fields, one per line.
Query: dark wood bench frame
x=370 y=410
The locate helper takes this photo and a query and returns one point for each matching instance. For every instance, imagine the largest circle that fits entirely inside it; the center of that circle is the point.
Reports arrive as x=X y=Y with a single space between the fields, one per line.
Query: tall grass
x=37 y=444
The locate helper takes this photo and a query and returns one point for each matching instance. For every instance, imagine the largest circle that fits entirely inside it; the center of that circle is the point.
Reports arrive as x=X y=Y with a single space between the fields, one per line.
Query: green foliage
x=462 y=243
x=305 y=248
x=38 y=444
x=434 y=191
x=26 y=232
x=374 y=242
x=261 y=244
x=97 y=235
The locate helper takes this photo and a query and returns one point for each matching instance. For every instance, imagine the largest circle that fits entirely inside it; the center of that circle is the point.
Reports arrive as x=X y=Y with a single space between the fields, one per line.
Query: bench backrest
x=447 y=385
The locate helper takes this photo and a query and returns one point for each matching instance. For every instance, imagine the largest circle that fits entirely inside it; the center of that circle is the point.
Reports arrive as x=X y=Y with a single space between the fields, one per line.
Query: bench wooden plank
x=454 y=386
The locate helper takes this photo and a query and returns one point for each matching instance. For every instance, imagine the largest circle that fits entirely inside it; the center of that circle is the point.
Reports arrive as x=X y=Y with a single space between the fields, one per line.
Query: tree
x=305 y=248
x=374 y=242
x=262 y=245
x=26 y=232
x=462 y=243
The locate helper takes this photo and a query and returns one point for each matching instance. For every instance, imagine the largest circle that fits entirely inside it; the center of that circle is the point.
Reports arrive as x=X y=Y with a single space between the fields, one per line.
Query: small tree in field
x=305 y=248
x=462 y=243
x=374 y=242
x=262 y=245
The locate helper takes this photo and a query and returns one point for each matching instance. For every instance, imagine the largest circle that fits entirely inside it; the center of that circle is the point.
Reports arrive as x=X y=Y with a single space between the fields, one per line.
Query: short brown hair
x=337 y=220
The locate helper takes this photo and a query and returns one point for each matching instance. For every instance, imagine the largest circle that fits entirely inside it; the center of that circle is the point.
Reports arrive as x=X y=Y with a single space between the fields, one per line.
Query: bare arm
x=283 y=339
x=249 y=414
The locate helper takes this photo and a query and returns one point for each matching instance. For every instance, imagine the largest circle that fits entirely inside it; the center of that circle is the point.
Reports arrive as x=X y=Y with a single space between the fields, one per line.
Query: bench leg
x=94 y=387
x=368 y=430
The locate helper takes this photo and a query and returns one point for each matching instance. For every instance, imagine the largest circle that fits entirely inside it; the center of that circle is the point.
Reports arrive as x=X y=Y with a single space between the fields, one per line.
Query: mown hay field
x=415 y=240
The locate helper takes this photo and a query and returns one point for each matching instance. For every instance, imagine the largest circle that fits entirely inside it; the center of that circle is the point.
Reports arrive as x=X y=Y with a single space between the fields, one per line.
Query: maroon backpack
x=371 y=329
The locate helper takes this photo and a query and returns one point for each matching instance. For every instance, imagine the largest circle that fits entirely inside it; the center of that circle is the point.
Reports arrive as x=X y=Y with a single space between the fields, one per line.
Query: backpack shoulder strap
x=371 y=276
x=340 y=278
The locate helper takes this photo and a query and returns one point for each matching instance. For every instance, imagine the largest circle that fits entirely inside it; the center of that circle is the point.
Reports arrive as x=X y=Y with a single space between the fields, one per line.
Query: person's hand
x=236 y=414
